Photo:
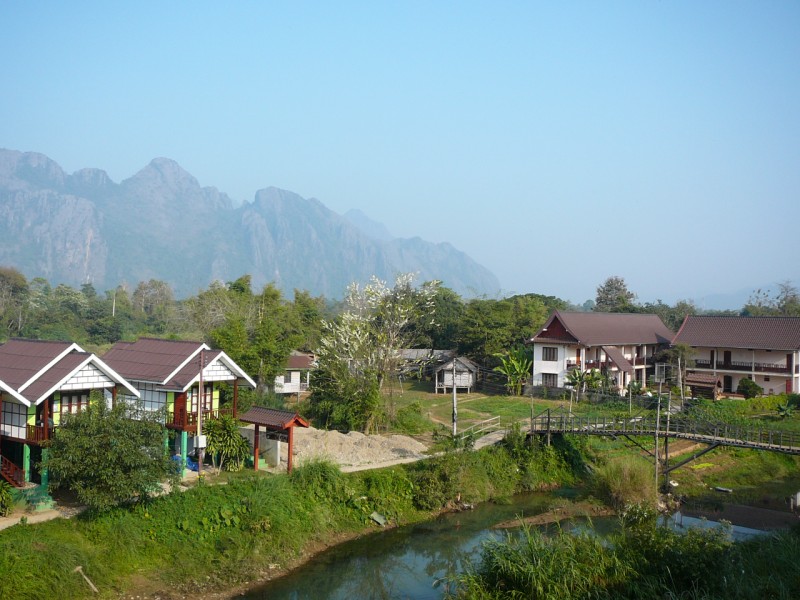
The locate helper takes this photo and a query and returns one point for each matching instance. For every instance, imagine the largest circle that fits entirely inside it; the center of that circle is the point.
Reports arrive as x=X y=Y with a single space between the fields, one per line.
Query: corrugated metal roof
x=191 y=370
x=33 y=369
x=272 y=418
x=756 y=333
x=461 y=361
x=300 y=361
x=54 y=375
x=149 y=359
x=605 y=329
x=22 y=359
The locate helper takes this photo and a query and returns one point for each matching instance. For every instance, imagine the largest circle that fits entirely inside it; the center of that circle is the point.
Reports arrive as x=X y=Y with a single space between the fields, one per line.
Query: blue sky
x=556 y=143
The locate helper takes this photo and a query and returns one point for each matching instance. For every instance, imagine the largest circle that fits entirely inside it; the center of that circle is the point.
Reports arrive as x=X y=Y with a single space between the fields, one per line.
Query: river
x=406 y=562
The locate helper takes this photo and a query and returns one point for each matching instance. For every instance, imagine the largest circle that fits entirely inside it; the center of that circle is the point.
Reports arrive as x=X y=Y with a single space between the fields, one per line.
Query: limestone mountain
x=161 y=224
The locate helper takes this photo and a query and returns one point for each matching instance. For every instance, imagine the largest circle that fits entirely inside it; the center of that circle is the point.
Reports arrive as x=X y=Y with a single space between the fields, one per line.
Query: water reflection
x=404 y=563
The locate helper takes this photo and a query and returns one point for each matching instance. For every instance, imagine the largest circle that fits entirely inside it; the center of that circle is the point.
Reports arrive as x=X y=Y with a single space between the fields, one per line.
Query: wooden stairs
x=12 y=473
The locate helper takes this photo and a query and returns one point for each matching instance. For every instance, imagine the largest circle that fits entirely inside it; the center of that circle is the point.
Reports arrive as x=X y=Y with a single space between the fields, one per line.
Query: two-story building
x=40 y=383
x=620 y=345
x=168 y=376
x=764 y=349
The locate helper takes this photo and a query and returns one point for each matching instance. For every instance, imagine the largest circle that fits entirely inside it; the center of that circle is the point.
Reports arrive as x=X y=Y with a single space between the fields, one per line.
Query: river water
x=414 y=562
x=410 y=562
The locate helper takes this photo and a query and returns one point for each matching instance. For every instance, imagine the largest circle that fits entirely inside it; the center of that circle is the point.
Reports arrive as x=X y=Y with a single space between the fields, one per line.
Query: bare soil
x=354 y=451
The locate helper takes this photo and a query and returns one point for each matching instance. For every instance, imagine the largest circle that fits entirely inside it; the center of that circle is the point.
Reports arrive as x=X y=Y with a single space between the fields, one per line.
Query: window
x=72 y=404
x=549 y=353
x=550 y=379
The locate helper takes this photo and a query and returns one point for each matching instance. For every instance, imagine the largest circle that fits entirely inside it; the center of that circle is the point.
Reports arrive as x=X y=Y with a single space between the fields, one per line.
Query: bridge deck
x=787 y=442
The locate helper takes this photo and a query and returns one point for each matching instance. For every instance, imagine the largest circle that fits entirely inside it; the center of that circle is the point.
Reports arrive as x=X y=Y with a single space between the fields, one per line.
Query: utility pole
x=455 y=400
x=201 y=439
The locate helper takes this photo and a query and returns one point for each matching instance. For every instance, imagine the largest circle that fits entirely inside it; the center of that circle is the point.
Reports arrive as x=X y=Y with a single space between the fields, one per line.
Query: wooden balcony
x=36 y=434
x=187 y=421
x=747 y=367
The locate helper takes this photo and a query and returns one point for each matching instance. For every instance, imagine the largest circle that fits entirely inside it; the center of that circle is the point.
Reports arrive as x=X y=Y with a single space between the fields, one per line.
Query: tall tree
x=613 y=296
x=360 y=350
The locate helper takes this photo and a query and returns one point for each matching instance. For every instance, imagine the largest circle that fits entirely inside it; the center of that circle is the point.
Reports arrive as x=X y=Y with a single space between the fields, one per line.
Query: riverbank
x=211 y=539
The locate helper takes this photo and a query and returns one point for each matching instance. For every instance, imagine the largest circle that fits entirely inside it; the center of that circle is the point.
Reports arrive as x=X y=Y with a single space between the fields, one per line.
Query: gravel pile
x=354 y=449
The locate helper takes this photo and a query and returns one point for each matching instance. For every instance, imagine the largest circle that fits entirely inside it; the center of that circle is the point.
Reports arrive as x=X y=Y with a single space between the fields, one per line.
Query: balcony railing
x=743 y=366
x=37 y=433
x=188 y=421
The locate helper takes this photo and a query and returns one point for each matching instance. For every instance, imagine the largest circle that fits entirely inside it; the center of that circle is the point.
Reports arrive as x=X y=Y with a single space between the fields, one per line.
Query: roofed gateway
x=620 y=345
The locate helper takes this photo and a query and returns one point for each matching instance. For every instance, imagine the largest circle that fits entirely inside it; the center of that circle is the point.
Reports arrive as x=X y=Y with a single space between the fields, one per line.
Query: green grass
x=214 y=536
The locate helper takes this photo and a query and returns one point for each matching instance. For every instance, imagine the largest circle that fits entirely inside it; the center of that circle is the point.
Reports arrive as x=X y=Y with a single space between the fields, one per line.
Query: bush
x=6 y=499
x=409 y=419
x=748 y=388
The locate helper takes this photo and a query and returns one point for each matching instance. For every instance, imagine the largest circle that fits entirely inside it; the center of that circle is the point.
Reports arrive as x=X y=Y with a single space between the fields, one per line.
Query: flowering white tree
x=366 y=340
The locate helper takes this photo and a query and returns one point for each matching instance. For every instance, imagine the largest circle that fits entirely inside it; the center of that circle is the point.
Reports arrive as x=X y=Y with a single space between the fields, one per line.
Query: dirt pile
x=355 y=450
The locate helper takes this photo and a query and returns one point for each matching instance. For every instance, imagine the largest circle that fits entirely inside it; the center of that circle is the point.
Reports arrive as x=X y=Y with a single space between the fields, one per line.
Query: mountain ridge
x=160 y=223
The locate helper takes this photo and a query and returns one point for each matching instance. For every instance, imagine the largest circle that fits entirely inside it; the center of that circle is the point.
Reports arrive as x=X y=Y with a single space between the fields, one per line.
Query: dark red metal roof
x=604 y=329
x=300 y=361
x=152 y=360
x=616 y=356
x=22 y=359
x=54 y=375
x=756 y=333
x=273 y=419
x=191 y=370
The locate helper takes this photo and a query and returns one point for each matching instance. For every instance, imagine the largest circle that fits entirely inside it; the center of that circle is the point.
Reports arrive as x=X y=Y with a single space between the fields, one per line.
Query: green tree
x=516 y=366
x=613 y=296
x=14 y=294
x=109 y=456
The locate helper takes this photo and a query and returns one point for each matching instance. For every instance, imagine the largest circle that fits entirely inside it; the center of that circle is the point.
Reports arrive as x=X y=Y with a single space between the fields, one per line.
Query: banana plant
x=516 y=366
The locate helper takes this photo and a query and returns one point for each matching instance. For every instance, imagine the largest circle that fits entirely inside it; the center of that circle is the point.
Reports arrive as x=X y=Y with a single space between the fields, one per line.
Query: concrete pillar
x=184 y=450
x=44 y=474
x=26 y=462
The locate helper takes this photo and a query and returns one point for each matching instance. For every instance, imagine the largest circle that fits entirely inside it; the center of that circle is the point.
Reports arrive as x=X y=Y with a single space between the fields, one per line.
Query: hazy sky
x=556 y=143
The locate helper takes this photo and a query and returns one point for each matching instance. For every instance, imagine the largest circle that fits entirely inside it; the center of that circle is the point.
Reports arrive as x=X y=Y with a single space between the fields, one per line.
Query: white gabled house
x=621 y=345
x=296 y=377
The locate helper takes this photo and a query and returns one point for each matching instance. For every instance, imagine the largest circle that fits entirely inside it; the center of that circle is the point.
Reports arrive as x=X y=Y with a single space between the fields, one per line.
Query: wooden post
x=46 y=418
x=235 y=396
x=290 y=450
x=114 y=397
x=255 y=449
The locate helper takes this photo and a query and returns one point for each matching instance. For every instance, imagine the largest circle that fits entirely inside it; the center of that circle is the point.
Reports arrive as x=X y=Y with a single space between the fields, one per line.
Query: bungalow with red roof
x=40 y=382
x=168 y=375
x=764 y=349
x=296 y=377
x=620 y=345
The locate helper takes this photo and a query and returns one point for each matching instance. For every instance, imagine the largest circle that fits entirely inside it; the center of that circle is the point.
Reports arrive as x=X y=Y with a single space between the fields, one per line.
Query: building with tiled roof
x=168 y=375
x=764 y=349
x=620 y=345
x=297 y=375
x=40 y=383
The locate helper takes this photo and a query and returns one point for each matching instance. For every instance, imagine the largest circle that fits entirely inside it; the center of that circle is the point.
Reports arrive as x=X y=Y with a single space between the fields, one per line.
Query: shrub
x=748 y=388
x=409 y=419
x=6 y=499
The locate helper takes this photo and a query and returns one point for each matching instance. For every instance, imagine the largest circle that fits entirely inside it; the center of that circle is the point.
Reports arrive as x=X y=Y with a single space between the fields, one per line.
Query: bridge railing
x=698 y=430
